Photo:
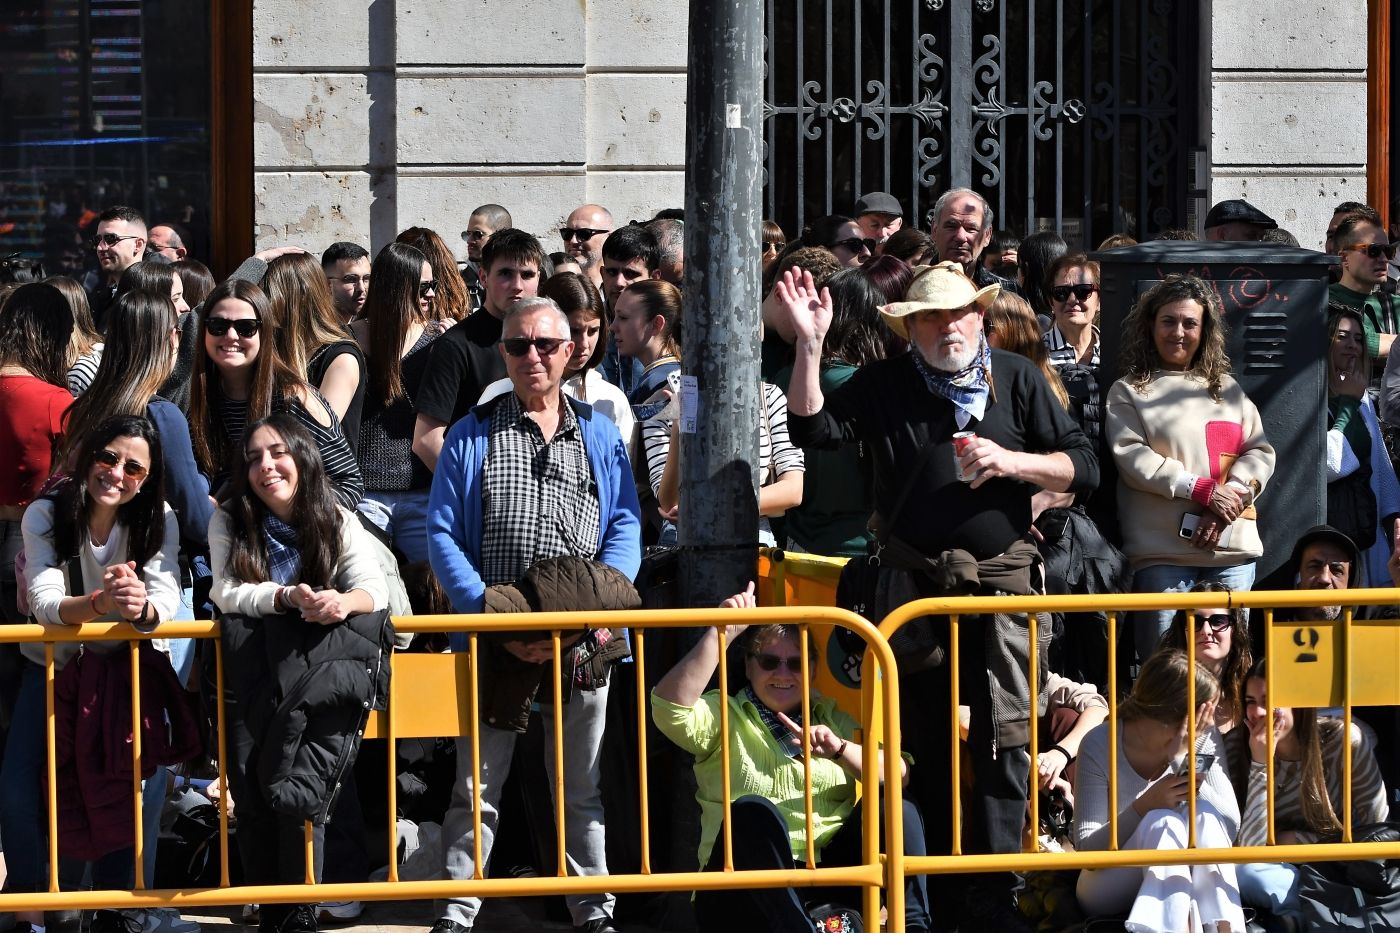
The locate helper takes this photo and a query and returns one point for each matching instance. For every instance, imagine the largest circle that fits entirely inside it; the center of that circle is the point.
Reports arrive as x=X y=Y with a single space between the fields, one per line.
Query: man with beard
x=951 y=523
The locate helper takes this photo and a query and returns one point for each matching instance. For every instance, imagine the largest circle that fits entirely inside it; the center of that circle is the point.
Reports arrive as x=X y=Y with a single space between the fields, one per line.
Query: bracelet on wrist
x=840 y=751
x=1069 y=759
x=92 y=601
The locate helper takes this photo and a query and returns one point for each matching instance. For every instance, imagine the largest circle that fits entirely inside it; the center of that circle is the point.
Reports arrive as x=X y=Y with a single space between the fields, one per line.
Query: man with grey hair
x=670 y=239
x=961 y=226
x=528 y=476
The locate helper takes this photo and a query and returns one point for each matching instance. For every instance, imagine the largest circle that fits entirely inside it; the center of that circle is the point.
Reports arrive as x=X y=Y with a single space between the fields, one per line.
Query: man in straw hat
x=951 y=524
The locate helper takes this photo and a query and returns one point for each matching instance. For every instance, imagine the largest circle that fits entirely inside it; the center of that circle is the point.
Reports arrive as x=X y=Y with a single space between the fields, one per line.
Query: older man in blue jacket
x=531 y=475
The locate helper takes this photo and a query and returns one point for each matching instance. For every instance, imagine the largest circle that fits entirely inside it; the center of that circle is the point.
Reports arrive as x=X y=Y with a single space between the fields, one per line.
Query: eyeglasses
x=109 y=239
x=244 y=327
x=428 y=286
x=1374 y=250
x=771 y=662
x=133 y=470
x=519 y=346
x=1218 y=622
x=578 y=233
x=471 y=236
x=854 y=243
x=777 y=247
x=1082 y=292
x=350 y=281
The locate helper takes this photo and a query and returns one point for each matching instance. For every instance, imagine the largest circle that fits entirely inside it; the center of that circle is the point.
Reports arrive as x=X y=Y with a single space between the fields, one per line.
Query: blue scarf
x=968 y=388
x=784 y=736
x=283 y=550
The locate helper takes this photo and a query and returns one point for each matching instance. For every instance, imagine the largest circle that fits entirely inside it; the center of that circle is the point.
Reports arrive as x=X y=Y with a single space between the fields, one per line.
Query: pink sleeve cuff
x=1200 y=493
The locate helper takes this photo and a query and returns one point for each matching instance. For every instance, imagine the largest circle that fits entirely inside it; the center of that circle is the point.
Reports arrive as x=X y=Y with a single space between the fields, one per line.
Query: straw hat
x=943 y=287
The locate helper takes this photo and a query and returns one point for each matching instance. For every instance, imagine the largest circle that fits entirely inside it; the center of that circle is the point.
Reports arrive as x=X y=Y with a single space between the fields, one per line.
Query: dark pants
x=994 y=811
x=761 y=842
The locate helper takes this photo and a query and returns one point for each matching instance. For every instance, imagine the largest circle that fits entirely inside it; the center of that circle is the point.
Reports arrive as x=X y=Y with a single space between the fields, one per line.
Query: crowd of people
x=321 y=442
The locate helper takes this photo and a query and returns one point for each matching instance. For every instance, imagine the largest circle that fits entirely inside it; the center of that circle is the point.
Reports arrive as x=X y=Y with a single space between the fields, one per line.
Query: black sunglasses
x=581 y=233
x=428 y=286
x=519 y=346
x=110 y=239
x=1082 y=292
x=771 y=662
x=108 y=459
x=1374 y=250
x=854 y=243
x=1218 y=622
x=245 y=327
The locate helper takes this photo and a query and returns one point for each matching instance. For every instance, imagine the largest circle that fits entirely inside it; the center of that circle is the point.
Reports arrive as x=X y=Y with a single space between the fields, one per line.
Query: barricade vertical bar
x=1032 y=624
x=724 y=748
x=1269 y=761
x=222 y=763
x=1112 y=731
x=138 y=837
x=956 y=753
x=391 y=745
x=893 y=801
x=1191 y=730
x=475 y=742
x=870 y=798
x=309 y=835
x=1347 y=619
x=49 y=739
x=562 y=866
x=802 y=642
x=643 y=798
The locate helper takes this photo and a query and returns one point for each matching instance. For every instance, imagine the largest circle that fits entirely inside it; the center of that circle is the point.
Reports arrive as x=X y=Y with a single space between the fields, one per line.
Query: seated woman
x=1152 y=778
x=281 y=546
x=1220 y=638
x=1308 y=789
x=103 y=546
x=767 y=776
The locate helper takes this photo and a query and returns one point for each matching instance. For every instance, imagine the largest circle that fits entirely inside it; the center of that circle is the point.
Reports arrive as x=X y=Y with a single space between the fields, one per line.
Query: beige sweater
x=1158 y=436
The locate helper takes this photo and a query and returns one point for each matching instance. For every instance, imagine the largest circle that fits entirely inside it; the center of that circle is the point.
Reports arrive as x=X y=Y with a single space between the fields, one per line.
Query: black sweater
x=888 y=406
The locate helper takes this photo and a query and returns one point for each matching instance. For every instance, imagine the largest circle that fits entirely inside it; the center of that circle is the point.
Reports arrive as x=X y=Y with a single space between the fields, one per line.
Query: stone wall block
x=636 y=119
x=1288 y=35
x=636 y=195
x=487 y=32
x=636 y=34
x=308 y=120
x=491 y=120
x=1289 y=122
x=311 y=209
x=312 y=33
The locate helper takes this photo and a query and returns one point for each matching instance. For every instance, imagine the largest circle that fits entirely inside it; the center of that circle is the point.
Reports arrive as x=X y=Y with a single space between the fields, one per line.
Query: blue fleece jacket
x=455 y=514
x=186 y=489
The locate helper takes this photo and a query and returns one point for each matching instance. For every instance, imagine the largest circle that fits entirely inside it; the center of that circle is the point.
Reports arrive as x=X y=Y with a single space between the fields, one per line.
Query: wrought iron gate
x=1072 y=115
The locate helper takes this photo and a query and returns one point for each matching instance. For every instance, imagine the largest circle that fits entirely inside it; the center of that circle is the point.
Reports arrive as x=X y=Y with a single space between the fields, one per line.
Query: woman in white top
x=1152 y=794
x=281 y=547
x=103 y=546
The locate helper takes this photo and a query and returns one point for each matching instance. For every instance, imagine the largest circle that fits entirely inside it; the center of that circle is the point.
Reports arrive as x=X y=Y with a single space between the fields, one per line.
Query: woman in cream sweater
x=1190 y=448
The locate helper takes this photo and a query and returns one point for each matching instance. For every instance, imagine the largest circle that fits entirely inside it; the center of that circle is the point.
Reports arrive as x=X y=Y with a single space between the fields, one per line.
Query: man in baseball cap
x=1237 y=220
x=878 y=215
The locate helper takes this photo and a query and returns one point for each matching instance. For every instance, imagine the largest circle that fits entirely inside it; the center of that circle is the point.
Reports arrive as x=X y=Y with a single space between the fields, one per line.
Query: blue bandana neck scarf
x=790 y=742
x=283 y=550
x=968 y=388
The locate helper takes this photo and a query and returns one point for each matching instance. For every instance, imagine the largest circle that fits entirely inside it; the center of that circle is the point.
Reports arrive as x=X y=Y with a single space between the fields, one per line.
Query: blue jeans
x=1149 y=627
x=404 y=517
x=1272 y=887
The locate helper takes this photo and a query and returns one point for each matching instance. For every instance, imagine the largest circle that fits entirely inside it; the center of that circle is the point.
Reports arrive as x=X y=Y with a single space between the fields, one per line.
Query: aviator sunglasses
x=108 y=459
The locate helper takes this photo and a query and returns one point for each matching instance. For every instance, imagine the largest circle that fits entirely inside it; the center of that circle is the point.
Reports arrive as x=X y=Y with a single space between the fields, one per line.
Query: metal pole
x=719 y=444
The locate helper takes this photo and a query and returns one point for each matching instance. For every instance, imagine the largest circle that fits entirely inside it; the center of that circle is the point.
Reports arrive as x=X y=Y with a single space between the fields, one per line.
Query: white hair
x=952 y=193
x=527 y=305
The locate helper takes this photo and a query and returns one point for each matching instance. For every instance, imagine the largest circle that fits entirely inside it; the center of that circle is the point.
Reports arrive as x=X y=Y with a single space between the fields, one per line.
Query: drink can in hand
x=962 y=440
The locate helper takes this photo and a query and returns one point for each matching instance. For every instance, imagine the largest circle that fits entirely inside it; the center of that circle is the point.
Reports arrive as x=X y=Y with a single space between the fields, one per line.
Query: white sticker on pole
x=731 y=116
x=690 y=403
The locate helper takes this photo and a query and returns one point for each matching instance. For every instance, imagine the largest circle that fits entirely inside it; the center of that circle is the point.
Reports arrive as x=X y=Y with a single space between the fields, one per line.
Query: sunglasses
x=1218 y=622
x=578 y=233
x=777 y=247
x=1373 y=250
x=771 y=662
x=1061 y=293
x=471 y=236
x=519 y=346
x=133 y=470
x=244 y=327
x=110 y=239
x=428 y=286
x=854 y=243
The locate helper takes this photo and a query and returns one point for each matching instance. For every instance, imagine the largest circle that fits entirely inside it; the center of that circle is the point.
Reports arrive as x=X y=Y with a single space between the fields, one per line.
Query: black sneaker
x=449 y=926
x=300 y=919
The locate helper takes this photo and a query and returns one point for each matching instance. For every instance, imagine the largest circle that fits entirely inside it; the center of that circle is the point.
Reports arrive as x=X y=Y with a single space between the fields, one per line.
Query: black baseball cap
x=1238 y=211
x=1332 y=536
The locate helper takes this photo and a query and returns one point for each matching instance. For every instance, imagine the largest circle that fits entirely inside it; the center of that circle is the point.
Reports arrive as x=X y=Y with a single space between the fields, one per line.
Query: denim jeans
x=1270 y=886
x=1150 y=626
x=404 y=517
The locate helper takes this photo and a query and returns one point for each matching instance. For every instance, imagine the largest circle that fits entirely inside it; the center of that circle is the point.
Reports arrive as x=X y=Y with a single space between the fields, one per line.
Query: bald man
x=583 y=235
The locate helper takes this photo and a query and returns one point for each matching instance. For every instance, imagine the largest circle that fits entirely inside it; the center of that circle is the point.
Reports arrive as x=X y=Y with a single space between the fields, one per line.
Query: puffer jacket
x=308 y=690
x=557 y=584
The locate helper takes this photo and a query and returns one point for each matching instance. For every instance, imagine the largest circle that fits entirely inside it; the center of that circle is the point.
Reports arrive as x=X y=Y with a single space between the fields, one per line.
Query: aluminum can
x=961 y=441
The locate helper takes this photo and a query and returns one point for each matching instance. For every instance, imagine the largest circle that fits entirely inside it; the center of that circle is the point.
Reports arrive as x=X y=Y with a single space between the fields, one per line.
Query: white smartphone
x=1188 y=529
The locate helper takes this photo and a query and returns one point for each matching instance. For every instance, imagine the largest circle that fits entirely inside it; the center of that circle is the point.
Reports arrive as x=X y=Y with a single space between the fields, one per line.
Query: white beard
x=952 y=358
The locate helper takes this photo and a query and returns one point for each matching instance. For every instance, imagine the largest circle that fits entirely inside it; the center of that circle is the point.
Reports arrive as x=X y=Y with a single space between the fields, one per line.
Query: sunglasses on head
x=1374 y=250
x=1082 y=292
x=854 y=243
x=519 y=346
x=578 y=233
x=1218 y=622
x=244 y=327
x=108 y=459
x=428 y=286
x=771 y=662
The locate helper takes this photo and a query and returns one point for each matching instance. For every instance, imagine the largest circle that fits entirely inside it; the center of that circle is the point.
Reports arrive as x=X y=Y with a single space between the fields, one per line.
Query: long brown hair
x=1311 y=735
x=1139 y=350
x=574 y=292
x=392 y=309
x=315 y=515
x=450 y=299
x=1013 y=320
x=36 y=323
x=85 y=336
x=143 y=517
x=301 y=303
x=1180 y=636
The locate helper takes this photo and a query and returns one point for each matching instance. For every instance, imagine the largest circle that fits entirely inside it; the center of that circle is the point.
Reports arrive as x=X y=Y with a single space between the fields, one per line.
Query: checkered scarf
x=790 y=742
x=283 y=550
x=968 y=388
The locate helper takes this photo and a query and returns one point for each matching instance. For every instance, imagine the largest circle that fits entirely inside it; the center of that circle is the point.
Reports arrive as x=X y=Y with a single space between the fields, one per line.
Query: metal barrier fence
x=408 y=715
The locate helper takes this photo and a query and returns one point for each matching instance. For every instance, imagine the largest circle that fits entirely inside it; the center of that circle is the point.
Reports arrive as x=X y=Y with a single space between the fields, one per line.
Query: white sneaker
x=339 y=911
x=161 y=920
x=250 y=915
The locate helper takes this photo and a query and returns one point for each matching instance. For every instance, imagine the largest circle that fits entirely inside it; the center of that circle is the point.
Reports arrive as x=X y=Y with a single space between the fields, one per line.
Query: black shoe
x=449 y=926
x=112 y=921
x=63 y=921
x=300 y=919
x=600 y=925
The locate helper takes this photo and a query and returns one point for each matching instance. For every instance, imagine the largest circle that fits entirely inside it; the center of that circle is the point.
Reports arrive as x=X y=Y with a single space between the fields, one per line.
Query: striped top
x=84 y=371
x=1368 y=803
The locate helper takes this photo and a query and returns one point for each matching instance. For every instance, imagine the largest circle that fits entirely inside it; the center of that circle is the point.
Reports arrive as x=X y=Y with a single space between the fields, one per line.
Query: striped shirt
x=84 y=371
x=1062 y=353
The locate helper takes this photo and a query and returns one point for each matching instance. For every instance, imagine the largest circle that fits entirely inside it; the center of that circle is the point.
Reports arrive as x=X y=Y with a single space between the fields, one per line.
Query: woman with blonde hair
x=1190 y=449
x=1011 y=326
